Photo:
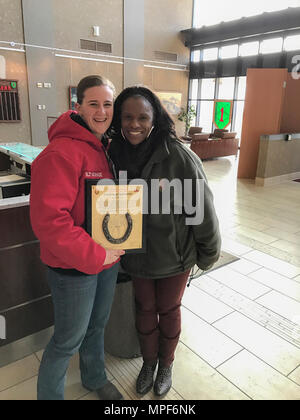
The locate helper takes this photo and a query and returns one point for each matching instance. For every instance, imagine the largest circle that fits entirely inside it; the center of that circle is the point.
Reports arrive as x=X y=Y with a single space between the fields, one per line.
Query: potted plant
x=187 y=115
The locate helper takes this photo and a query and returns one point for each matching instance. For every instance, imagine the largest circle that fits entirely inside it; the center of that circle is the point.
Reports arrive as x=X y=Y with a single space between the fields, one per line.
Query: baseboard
x=275 y=180
x=24 y=347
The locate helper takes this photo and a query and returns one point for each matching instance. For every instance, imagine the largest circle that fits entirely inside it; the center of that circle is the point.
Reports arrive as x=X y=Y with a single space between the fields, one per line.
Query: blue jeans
x=82 y=306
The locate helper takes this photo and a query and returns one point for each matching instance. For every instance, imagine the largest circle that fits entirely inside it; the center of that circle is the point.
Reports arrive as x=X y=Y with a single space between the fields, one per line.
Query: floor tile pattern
x=240 y=335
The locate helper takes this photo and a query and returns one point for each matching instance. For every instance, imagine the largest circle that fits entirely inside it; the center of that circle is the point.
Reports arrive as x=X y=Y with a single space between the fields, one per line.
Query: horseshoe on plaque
x=107 y=234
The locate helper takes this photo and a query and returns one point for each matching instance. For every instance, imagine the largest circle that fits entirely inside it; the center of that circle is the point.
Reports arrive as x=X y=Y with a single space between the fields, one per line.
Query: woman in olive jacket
x=181 y=232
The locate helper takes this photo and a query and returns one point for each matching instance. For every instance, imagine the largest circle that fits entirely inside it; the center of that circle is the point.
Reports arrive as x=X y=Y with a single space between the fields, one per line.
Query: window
x=292 y=43
x=195 y=56
x=249 y=48
x=226 y=88
x=241 y=87
x=194 y=89
x=194 y=104
x=229 y=51
x=210 y=54
x=206 y=116
x=205 y=103
x=216 y=11
x=271 y=45
x=238 y=118
x=208 y=88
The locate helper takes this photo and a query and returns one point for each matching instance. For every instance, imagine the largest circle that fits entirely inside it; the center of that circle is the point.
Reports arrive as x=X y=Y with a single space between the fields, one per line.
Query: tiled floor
x=240 y=323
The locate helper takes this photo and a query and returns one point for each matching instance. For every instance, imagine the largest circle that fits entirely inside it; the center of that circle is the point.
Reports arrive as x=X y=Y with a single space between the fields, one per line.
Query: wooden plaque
x=114 y=215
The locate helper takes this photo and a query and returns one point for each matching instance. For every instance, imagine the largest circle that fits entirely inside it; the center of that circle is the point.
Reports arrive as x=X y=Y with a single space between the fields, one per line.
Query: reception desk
x=278 y=159
x=25 y=301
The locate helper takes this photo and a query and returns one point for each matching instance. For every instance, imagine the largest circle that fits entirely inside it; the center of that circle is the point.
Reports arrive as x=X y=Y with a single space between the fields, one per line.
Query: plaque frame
x=89 y=183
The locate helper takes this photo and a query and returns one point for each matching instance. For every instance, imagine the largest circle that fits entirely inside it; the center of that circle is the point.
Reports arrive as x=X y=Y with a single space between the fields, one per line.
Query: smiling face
x=136 y=119
x=96 y=109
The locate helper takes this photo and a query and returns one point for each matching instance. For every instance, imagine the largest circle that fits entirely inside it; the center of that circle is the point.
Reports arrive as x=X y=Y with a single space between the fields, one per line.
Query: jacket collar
x=161 y=153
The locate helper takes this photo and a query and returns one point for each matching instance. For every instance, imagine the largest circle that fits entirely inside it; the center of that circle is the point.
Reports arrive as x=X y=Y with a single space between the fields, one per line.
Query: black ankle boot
x=163 y=381
x=145 y=379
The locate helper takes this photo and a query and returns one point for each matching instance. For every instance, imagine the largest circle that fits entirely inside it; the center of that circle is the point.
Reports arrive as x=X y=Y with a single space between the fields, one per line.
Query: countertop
x=8 y=203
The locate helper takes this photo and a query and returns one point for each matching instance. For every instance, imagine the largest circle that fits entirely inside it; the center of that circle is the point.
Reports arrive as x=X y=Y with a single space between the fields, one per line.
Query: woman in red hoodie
x=82 y=274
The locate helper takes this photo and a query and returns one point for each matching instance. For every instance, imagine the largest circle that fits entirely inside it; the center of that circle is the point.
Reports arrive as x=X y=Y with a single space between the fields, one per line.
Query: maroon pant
x=158 y=316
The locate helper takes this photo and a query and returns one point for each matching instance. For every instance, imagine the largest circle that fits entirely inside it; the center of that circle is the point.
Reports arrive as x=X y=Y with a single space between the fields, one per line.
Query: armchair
x=192 y=131
x=222 y=144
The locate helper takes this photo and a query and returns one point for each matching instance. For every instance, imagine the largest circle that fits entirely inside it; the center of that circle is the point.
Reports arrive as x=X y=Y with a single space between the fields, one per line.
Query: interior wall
x=134 y=11
x=163 y=22
x=290 y=122
x=262 y=114
x=11 y=30
x=71 y=71
x=16 y=70
x=271 y=164
x=2 y=67
x=41 y=69
x=11 y=21
x=73 y=20
x=160 y=80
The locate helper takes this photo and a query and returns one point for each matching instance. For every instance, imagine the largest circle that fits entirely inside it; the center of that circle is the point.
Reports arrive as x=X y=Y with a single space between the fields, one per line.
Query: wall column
x=2 y=67
x=133 y=42
x=39 y=31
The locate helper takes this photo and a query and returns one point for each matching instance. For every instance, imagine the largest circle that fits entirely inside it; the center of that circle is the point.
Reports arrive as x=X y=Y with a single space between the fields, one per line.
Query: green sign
x=222 y=113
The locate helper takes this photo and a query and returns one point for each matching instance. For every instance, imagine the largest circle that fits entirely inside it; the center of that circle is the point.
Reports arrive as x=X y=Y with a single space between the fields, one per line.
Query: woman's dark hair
x=163 y=123
x=91 y=81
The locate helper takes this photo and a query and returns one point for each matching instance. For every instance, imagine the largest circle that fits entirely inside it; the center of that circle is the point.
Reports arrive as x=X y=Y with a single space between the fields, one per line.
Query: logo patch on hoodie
x=94 y=175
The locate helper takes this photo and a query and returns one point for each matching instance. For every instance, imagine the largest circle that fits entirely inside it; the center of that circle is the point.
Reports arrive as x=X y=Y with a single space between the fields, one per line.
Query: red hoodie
x=57 y=196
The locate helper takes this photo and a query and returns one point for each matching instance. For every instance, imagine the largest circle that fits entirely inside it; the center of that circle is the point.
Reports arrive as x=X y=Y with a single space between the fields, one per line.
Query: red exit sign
x=8 y=86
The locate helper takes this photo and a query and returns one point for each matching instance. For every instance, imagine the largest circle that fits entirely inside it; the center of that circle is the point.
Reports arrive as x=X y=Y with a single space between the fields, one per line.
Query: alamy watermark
x=296 y=69
x=180 y=196
x=2 y=328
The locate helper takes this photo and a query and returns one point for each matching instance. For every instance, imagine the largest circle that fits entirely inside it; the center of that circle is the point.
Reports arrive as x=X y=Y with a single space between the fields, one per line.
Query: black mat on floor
x=225 y=259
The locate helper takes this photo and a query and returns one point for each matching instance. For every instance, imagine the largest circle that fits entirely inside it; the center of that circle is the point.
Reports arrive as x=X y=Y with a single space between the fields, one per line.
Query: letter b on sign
x=2 y=328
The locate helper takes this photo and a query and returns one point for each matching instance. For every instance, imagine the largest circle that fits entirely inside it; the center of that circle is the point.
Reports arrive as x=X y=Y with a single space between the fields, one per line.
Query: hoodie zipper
x=110 y=163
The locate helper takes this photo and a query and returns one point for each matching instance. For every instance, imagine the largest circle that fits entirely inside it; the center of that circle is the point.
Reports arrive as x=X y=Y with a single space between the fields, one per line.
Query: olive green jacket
x=172 y=246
